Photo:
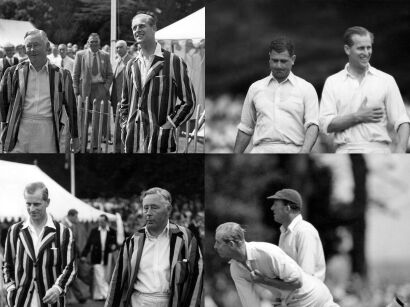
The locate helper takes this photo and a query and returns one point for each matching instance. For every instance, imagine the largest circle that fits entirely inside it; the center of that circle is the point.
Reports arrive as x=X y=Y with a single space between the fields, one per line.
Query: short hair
x=152 y=20
x=72 y=212
x=42 y=34
x=361 y=31
x=31 y=188
x=104 y=216
x=94 y=35
x=62 y=45
x=166 y=196
x=282 y=44
x=121 y=42
x=231 y=232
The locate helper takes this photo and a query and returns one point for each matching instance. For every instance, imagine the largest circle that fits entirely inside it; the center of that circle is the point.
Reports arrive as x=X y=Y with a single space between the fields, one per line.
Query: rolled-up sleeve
x=396 y=111
x=327 y=109
x=311 y=107
x=248 y=117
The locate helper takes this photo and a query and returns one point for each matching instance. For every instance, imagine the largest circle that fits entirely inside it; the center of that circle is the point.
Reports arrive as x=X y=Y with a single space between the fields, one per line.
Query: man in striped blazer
x=161 y=264
x=34 y=97
x=39 y=257
x=149 y=110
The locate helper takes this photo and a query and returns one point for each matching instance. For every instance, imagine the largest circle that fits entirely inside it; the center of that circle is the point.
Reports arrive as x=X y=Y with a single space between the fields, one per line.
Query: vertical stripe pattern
x=54 y=264
x=167 y=93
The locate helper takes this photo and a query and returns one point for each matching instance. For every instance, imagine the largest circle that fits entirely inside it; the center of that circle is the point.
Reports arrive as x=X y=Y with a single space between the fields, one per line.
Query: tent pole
x=113 y=37
x=72 y=173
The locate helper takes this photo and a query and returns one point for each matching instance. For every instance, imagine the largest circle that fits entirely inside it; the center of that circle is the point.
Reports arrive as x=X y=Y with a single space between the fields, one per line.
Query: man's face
x=223 y=248
x=121 y=49
x=156 y=212
x=63 y=51
x=280 y=210
x=36 y=48
x=36 y=205
x=9 y=51
x=360 y=52
x=281 y=64
x=94 y=43
x=102 y=222
x=142 y=29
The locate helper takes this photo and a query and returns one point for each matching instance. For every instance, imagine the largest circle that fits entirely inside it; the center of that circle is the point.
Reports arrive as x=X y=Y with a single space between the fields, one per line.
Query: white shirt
x=279 y=113
x=272 y=262
x=37 y=239
x=302 y=243
x=343 y=94
x=56 y=60
x=37 y=102
x=103 y=238
x=154 y=269
x=144 y=63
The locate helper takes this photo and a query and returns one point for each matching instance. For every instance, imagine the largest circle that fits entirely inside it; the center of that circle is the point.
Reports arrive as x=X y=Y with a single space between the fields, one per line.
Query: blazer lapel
x=136 y=76
x=48 y=236
x=27 y=242
x=23 y=79
x=176 y=242
x=139 y=241
x=156 y=66
x=87 y=61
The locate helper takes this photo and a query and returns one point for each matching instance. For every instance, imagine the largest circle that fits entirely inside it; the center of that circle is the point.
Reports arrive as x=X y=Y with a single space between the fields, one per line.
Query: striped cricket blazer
x=143 y=109
x=186 y=276
x=12 y=97
x=54 y=265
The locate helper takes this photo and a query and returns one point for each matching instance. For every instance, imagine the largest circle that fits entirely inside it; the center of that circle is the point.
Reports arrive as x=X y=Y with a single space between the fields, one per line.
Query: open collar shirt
x=343 y=94
x=155 y=268
x=37 y=101
x=279 y=113
x=302 y=243
x=144 y=63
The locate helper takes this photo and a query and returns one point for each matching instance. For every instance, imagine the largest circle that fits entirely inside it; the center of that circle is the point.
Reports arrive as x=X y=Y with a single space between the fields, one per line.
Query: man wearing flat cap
x=299 y=239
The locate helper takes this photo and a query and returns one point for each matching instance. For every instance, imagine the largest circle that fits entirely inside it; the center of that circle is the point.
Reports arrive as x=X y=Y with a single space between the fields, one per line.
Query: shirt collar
x=157 y=52
x=107 y=228
x=44 y=67
x=49 y=223
x=249 y=252
x=292 y=225
x=291 y=78
x=370 y=70
x=165 y=233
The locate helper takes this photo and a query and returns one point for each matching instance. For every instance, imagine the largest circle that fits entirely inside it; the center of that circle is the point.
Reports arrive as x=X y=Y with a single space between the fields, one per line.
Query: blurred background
x=239 y=33
x=358 y=203
x=111 y=184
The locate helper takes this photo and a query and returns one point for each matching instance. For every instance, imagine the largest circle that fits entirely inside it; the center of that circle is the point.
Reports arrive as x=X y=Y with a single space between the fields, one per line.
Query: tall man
x=65 y=62
x=116 y=91
x=39 y=255
x=280 y=111
x=149 y=109
x=33 y=96
x=92 y=78
x=299 y=239
x=360 y=101
x=101 y=242
x=161 y=264
x=266 y=265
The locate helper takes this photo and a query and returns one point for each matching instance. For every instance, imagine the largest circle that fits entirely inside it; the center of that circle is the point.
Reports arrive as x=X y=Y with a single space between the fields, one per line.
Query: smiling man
x=39 y=257
x=263 y=264
x=149 y=110
x=34 y=96
x=161 y=264
x=281 y=111
x=360 y=101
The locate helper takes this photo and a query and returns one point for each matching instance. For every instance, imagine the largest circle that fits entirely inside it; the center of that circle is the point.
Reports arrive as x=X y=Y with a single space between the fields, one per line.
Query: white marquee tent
x=13 y=31
x=13 y=179
x=190 y=27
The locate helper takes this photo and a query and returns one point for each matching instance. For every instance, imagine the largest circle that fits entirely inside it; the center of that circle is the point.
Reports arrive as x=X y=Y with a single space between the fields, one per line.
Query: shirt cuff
x=245 y=129
x=308 y=124
x=10 y=287
x=403 y=119
x=58 y=288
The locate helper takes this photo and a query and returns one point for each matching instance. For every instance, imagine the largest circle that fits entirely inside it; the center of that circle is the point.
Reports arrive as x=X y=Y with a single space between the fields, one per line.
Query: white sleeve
x=328 y=108
x=396 y=111
x=248 y=117
x=245 y=288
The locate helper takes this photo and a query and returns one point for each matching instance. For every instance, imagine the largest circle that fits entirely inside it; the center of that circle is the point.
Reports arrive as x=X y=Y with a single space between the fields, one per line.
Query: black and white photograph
x=102 y=76
x=101 y=230
x=307 y=230
x=307 y=76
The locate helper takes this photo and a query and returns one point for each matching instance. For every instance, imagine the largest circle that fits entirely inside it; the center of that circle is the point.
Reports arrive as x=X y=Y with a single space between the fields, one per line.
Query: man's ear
x=293 y=59
x=347 y=49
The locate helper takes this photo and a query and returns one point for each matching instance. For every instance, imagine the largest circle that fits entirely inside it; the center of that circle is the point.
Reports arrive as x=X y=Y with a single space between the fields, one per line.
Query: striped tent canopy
x=13 y=179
